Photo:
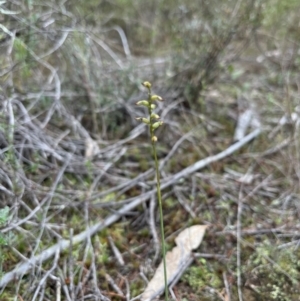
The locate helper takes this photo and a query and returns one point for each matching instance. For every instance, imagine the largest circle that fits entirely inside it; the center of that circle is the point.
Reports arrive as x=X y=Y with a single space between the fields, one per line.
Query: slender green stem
x=161 y=220
x=153 y=125
x=159 y=197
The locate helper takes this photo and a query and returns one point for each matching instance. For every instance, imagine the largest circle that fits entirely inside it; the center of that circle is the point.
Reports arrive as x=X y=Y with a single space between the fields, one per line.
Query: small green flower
x=146 y=84
x=156 y=97
x=144 y=103
x=157 y=124
x=145 y=120
x=154 y=116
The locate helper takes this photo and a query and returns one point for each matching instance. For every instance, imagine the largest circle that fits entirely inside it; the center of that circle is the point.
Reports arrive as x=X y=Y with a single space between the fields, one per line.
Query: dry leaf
x=176 y=260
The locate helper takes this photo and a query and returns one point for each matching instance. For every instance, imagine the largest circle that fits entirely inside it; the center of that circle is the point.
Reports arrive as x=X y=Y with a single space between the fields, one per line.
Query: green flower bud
x=153 y=106
x=156 y=97
x=144 y=103
x=154 y=138
x=146 y=84
x=145 y=120
x=157 y=124
x=154 y=116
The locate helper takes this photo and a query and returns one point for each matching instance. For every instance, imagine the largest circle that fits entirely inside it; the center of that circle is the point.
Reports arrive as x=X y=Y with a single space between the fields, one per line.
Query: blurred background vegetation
x=71 y=73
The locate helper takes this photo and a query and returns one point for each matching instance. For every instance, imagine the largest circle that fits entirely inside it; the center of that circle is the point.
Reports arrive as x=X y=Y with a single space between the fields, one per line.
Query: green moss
x=198 y=277
x=137 y=287
x=144 y=232
x=275 y=273
x=8 y=296
x=169 y=203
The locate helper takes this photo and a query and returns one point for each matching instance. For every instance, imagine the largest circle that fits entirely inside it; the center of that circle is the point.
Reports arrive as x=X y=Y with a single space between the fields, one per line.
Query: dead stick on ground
x=23 y=268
